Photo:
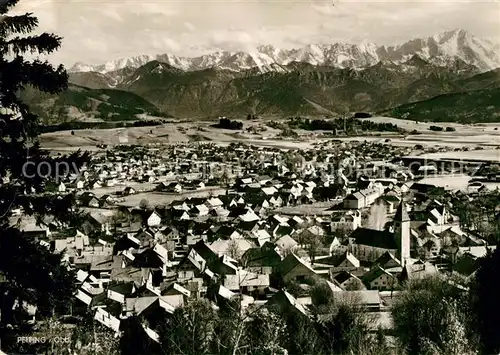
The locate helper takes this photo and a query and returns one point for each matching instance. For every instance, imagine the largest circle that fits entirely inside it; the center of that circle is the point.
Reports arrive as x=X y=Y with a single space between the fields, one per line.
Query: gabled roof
x=124 y=288
x=350 y=258
x=386 y=259
x=261 y=257
x=175 y=288
x=366 y=298
x=286 y=242
x=466 y=265
x=247 y=225
x=245 y=278
x=374 y=274
x=283 y=299
x=343 y=276
x=291 y=261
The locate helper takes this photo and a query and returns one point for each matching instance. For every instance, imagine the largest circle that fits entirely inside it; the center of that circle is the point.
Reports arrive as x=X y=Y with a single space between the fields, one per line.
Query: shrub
x=436 y=128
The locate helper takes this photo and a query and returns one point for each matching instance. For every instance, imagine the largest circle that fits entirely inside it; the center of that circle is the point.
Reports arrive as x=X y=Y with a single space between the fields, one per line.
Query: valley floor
x=485 y=135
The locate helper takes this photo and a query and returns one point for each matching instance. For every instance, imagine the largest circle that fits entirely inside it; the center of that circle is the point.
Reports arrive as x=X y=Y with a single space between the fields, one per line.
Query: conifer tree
x=29 y=272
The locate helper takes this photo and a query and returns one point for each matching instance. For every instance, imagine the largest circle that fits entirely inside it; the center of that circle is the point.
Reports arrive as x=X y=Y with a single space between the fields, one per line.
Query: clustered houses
x=256 y=237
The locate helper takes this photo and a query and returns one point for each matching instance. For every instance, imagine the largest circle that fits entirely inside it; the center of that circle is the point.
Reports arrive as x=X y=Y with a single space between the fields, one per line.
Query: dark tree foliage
x=436 y=128
x=350 y=125
x=226 y=123
x=362 y=115
x=485 y=296
x=135 y=341
x=189 y=330
x=433 y=314
x=28 y=271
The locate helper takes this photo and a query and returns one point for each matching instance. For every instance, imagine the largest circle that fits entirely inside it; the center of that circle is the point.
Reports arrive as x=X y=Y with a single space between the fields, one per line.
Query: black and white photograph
x=249 y=177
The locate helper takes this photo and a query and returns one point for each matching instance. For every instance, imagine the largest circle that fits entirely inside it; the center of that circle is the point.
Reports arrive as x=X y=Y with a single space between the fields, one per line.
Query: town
x=161 y=225
x=249 y=178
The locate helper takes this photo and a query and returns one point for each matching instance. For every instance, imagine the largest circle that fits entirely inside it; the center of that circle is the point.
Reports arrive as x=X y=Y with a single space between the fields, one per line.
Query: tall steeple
x=402 y=232
x=402 y=213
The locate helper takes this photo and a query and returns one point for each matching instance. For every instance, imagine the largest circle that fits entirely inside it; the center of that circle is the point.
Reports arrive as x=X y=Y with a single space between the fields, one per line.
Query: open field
x=160 y=198
x=465 y=129
x=456 y=182
x=465 y=135
x=137 y=186
x=486 y=154
x=319 y=208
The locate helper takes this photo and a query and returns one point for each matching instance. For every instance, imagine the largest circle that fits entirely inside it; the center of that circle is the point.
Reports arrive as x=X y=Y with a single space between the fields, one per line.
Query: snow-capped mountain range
x=440 y=49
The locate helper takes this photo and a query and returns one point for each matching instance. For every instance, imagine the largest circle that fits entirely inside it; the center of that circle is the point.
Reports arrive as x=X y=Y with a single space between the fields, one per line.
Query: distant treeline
x=349 y=125
x=67 y=126
x=226 y=123
x=440 y=129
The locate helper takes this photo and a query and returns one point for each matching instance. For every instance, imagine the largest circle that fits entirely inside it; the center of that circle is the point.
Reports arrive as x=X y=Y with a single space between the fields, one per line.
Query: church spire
x=402 y=213
x=402 y=232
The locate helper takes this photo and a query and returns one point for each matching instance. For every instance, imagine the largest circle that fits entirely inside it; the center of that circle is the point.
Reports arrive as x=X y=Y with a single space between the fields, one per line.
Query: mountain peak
x=454 y=35
x=416 y=61
x=440 y=48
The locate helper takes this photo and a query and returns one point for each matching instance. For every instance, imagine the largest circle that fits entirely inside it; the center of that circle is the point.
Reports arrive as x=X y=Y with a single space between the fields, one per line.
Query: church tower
x=402 y=232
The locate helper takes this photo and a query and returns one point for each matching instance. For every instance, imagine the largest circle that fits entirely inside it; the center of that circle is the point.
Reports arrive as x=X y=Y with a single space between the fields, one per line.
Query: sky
x=96 y=31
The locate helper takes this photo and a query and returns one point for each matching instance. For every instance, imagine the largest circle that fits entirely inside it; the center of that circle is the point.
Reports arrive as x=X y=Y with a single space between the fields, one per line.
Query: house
x=345 y=221
x=438 y=216
x=89 y=200
x=95 y=184
x=348 y=281
x=176 y=289
x=418 y=270
x=388 y=261
x=261 y=235
x=196 y=262
x=379 y=279
x=195 y=185
x=234 y=248
x=79 y=184
x=286 y=244
x=200 y=210
x=119 y=291
x=214 y=202
x=427 y=169
x=247 y=282
x=369 y=299
x=284 y=302
x=391 y=202
x=263 y=179
x=61 y=187
x=174 y=187
x=347 y=261
x=106 y=201
x=96 y=221
x=154 y=219
x=293 y=268
x=262 y=260
x=361 y=199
